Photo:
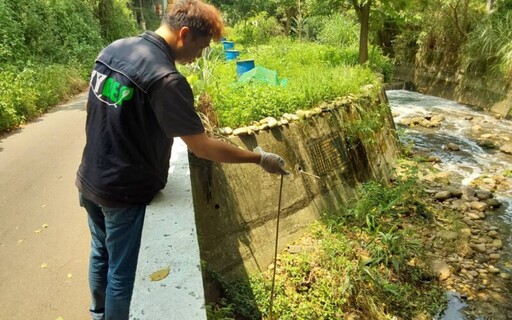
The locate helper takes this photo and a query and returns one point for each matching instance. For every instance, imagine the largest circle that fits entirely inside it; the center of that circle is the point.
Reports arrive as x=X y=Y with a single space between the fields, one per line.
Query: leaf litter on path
x=160 y=274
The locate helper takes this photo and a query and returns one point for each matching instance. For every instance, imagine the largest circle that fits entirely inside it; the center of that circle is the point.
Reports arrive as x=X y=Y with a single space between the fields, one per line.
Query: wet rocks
x=452 y=147
x=426 y=121
x=506 y=148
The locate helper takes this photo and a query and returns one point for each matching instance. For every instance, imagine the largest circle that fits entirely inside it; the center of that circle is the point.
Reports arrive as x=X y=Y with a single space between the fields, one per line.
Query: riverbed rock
x=440 y=269
x=493 y=269
x=468 y=191
x=477 y=205
x=486 y=144
x=448 y=235
x=505 y=276
x=493 y=203
x=443 y=195
x=452 y=147
x=478 y=247
x=455 y=193
x=434 y=159
x=506 y=148
x=459 y=205
x=483 y=194
x=496 y=243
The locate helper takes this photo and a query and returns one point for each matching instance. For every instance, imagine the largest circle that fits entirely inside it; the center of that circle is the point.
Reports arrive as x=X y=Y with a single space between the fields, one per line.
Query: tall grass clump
x=489 y=49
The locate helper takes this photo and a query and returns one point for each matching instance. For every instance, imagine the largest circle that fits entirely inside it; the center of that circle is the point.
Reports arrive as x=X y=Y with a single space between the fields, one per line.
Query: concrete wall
x=488 y=94
x=236 y=204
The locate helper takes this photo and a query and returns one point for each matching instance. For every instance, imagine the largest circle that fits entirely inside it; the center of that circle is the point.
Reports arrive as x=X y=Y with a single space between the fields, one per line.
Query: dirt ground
x=44 y=240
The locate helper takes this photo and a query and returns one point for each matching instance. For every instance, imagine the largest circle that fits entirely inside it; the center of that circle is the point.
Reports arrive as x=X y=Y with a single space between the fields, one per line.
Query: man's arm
x=219 y=151
x=208 y=148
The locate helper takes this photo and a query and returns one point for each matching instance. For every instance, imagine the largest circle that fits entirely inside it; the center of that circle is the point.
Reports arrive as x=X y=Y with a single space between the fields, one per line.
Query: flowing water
x=462 y=126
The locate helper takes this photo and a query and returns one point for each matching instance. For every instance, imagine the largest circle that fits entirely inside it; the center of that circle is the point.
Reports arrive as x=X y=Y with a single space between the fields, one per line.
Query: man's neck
x=168 y=35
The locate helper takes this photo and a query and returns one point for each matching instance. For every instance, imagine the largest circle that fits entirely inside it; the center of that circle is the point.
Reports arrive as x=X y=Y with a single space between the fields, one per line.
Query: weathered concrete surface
x=486 y=93
x=236 y=205
x=169 y=240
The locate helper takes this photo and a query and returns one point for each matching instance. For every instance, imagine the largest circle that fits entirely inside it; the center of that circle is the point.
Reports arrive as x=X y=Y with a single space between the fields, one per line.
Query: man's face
x=192 y=48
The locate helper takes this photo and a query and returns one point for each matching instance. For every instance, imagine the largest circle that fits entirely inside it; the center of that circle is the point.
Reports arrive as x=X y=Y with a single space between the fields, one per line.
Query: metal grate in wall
x=327 y=154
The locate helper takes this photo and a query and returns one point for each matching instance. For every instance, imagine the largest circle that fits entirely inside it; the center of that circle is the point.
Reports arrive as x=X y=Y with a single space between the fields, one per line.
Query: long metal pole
x=275 y=250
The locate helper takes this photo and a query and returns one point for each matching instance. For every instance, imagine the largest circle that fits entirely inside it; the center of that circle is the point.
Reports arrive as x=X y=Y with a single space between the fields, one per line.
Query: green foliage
x=116 y=19
x=47 y=48
x=339 y=30
x=445 y=28
x=54 y=31
x=315 y=73
x=11 y=36
x=489 y=49
x=28 y=92
x=256 y=30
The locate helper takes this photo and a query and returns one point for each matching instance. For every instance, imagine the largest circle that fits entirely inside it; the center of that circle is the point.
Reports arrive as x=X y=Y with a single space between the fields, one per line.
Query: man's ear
x=185 y=33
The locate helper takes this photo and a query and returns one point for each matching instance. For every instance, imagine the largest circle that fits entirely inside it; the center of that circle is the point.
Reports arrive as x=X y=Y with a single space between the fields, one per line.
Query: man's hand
x=270 y=162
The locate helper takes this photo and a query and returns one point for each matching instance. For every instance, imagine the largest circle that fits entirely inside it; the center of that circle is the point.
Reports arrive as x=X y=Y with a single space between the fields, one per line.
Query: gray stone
x=456 y=193
x=452 y=147
x=440 y=269
x=486 y=144
x=477 y=205
x=493 y=203
x=496 y=243
x=478 y=247
x=506 y=148
x=483 y=194
x=448 y=235
x=442 y=195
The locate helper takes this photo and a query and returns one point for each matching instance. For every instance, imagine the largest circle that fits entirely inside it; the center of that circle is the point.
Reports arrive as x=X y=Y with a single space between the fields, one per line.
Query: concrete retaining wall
x=236 y=205
x=488 y=94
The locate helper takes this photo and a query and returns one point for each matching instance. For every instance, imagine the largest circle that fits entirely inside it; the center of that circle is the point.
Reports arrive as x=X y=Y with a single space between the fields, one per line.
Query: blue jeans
x=116 y=234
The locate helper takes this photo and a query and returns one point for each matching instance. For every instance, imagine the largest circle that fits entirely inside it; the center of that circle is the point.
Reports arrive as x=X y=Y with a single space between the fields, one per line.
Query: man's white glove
x=270 y=162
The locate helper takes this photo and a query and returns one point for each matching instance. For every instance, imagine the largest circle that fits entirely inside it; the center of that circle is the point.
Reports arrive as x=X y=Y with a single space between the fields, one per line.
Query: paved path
x=37 y=169
x=44 y=240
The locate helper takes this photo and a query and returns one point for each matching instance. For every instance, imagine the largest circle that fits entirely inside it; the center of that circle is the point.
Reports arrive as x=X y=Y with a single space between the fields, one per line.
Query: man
x=138 y=102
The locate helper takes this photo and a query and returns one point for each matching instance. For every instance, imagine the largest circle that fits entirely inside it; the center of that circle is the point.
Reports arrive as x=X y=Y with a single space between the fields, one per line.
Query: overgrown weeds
x=362 y=262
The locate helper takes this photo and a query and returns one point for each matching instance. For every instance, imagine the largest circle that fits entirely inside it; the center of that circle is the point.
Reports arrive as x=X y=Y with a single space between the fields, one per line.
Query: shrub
x=256 y=30
x=339 y=30
x=29 y=91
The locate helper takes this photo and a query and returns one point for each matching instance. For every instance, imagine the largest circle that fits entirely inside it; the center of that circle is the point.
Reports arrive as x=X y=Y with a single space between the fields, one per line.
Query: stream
x=479 y=135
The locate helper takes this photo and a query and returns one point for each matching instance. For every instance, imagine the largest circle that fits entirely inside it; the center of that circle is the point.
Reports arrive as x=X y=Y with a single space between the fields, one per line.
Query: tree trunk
x=490 y=4
x=105 y=8
x=364 y=20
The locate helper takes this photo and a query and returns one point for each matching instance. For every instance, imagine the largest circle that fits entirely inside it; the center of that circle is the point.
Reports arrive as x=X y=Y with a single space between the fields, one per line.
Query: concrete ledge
x=169 y=240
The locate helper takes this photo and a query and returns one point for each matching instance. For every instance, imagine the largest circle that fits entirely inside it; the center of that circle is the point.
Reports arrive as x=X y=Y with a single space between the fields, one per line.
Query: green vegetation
x=366 y=262
x=314 y=71
x=47 y=49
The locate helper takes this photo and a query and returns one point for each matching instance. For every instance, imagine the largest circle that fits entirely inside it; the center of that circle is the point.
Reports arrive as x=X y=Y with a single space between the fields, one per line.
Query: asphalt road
x=44 y=240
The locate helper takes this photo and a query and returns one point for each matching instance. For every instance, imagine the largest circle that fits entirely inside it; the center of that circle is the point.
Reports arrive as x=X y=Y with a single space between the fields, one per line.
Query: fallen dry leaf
x=160 y=274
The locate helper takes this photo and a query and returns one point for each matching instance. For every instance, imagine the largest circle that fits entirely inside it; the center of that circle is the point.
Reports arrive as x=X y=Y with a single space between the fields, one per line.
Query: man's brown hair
x=201 y=18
